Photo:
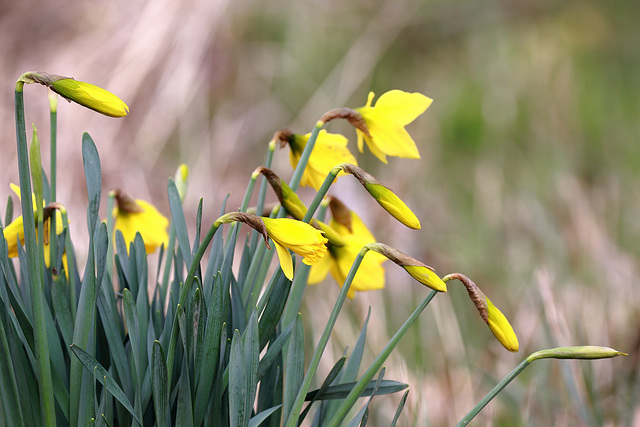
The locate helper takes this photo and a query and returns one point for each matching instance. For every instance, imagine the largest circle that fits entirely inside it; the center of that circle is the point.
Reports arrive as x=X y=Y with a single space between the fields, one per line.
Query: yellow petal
x=402 y=107
x=319 y=271
x=286 y=262
x=12 y=233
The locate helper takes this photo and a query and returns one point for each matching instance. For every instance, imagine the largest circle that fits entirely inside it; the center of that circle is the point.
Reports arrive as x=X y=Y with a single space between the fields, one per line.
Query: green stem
x=494 y=392
x=304 y=157
x=362 y=383
x=53 y=241
x=42 y=347
x=292 y=420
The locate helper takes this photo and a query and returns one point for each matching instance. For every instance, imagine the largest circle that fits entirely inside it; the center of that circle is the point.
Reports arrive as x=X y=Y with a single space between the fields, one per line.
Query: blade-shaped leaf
x=160 y=384
x=104 y=378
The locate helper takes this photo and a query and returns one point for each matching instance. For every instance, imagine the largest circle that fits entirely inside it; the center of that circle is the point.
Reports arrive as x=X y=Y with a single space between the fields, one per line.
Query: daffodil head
x=287 y=197
x=85 y=94
x=330 y=150
x=416 y=269
x=386 y=121
x=340 y=258
x=90 y=96
x=497 y=322
x=297 y=236
x=384 y=196
x=137 y=216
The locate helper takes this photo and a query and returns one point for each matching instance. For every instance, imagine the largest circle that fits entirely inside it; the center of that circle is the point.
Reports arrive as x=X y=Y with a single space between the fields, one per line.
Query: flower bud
x=384 y=196
x=418 y=270
x=576 y=352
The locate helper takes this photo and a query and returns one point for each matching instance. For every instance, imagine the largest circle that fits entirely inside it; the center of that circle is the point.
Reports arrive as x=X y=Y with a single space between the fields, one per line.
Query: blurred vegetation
x=528 y=182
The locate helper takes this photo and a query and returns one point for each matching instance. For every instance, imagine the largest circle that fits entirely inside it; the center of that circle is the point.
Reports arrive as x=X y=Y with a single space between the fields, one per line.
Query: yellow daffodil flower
x=329 y=151
x=299 y=237
x=386 y=121
x=339 y=259
x=14 y=233
x=85 y=94
x=137 y=216
x=497 y=322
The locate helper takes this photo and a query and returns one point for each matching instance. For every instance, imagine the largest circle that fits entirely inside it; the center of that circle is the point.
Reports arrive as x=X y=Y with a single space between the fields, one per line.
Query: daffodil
x=85 y=94
x=137 y=216
x=384 y=196
x=14 y=232
x=299 y=237
x=339 y=259
x=497 y=322
x=329 y=151
x=385 y=123
x=416 y=269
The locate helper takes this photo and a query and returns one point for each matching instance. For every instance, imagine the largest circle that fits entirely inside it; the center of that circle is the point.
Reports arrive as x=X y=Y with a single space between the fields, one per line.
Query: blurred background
x=528 y=181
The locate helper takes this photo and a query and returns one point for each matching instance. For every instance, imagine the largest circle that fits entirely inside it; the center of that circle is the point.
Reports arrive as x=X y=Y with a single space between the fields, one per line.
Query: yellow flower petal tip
x=426 y=276
x=386 y=123
x=91 y=96
x=501 y=327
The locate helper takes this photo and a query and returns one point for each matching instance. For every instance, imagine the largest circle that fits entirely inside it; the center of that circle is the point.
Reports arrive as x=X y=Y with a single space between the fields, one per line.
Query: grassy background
x=528 y=181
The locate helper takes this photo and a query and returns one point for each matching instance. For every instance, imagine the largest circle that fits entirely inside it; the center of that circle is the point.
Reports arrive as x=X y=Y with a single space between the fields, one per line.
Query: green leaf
x=60 y=301
x=93 y=176
x=262 y=416
x=8 y=386
x=361 y=417
x=333 y=374
x=294 y=367
x=237 y=383
x=114 y=341
x=104 y=378
x=178 y=221
x=340 y=391
x=184 y=412
x=353 y=364
x=251 y=355
x=160 y=384
x=276 y=301
x=133 y=327
x=274 y=350
x=210 y=350
x=400 y=408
